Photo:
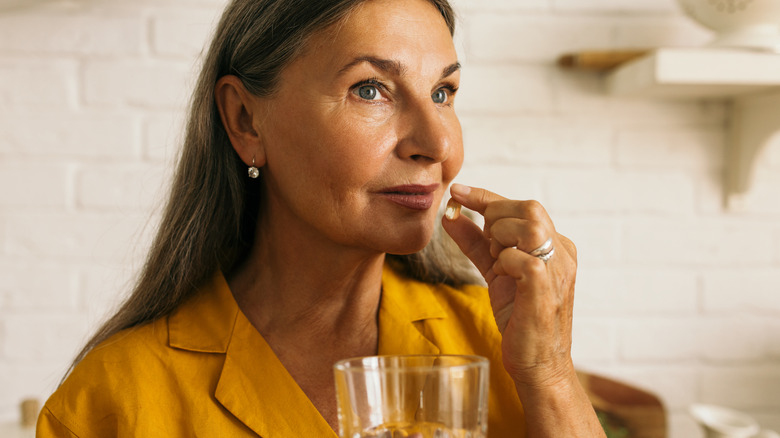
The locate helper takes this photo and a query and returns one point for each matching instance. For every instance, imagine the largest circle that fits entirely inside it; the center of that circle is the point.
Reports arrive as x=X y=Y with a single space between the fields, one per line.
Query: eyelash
x=370 y=81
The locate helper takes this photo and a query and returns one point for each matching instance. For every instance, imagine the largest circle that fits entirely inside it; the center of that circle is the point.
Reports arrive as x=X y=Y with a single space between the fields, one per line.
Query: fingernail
x=460 y=190
x=453 y=210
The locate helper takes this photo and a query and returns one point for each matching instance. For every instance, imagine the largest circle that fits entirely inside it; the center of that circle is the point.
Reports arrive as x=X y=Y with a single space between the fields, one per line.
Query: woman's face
x=361 y=140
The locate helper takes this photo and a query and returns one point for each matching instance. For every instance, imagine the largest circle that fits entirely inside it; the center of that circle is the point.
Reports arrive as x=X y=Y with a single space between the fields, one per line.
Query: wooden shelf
x=749 y=80
x=696 y=73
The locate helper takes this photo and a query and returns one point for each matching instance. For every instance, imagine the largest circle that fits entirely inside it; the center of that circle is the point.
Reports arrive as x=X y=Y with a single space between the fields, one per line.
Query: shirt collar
x=205 y=322
x=405 y=304
x=253 y=385
x=256 y=388
x=410 y=300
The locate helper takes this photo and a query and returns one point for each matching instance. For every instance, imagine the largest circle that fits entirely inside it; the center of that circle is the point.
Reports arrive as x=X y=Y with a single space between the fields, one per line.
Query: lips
x=411 y=196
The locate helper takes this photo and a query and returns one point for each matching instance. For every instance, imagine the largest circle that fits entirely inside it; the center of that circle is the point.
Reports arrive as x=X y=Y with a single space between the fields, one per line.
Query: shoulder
x=173 y=362
x=110 y=379
x=134 y=381
x=125 y=348
x=126 y=354
x=146 y=375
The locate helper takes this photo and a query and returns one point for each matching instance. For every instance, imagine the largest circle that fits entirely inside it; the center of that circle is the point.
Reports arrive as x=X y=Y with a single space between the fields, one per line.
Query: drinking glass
x=412 y=396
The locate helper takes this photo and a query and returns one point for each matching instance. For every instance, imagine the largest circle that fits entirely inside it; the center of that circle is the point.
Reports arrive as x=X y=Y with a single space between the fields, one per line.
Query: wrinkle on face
x=329 y=151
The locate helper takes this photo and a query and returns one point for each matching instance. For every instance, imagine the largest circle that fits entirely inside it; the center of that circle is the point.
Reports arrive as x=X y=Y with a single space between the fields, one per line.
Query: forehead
x=412 y=32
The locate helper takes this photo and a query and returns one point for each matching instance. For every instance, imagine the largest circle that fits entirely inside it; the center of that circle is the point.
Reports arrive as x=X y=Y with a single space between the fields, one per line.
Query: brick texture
x=675 y=293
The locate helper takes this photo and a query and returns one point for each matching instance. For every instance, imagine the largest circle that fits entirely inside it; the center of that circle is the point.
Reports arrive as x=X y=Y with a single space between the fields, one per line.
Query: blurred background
x=676 y=293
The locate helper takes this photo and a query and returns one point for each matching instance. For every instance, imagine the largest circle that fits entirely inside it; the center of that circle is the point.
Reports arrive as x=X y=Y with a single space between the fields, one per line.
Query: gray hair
x=211 y=214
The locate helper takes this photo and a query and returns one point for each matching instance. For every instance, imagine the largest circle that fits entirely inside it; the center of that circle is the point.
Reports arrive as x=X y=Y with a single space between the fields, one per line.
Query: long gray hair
x=212 y=211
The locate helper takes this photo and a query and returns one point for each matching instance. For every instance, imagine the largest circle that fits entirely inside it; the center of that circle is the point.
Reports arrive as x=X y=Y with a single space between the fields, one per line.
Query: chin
x=402 y=237
x=410 y=244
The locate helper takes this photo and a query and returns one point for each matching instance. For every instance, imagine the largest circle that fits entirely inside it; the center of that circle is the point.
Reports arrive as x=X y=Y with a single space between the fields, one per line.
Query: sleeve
x=49 y=426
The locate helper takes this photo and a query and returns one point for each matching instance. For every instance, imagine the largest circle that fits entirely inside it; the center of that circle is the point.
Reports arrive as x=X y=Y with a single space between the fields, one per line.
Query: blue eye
x=368 y=92
x=440 y=96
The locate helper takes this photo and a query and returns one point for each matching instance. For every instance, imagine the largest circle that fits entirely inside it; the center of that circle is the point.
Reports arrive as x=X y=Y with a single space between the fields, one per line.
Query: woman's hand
x=532 y=303
x=532 y=300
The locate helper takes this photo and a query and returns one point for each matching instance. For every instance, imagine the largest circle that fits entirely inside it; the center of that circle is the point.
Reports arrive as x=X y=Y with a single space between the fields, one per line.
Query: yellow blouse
x=205 y=371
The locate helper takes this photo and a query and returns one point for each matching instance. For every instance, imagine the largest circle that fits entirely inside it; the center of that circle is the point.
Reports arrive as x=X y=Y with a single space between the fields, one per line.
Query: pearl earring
x=253 y=171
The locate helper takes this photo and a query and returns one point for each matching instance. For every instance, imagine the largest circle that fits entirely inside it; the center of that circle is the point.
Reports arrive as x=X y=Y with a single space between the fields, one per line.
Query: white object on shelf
x=696 y=73
x=738 y=23
x=721 y=422
x=750 y=80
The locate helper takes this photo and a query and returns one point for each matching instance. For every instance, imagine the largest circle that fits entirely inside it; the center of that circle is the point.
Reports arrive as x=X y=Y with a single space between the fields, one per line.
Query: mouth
x=411 y=196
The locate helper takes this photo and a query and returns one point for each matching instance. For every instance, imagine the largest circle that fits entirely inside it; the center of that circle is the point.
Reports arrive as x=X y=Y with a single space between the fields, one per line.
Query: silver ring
x=544 y=252
x=546 y=256
x=544 y=249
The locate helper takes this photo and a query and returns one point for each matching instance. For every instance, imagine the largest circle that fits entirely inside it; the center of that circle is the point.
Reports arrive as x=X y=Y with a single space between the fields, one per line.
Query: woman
x=342 y=112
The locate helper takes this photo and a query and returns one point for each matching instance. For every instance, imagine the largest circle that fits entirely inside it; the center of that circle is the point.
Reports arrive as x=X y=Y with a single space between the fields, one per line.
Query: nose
x=427 y=133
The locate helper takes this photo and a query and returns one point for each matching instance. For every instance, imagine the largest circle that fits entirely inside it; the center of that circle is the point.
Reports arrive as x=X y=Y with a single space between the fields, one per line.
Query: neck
x=302 y=283
x=314 y=302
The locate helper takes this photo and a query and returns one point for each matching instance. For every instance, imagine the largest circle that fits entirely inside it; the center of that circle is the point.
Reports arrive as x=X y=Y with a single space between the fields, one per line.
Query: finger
x=531 y=210
x=570 y=247
x=525 y=235
x=522 y=267
x=474 y=198
x=531 y=291
x=471 y=241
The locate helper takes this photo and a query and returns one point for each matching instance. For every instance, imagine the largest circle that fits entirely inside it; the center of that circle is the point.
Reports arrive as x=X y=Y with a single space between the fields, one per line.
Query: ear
x=237 y=109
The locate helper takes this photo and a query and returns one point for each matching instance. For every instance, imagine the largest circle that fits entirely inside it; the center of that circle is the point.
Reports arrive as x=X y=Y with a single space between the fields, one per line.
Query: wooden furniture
x=639 y=411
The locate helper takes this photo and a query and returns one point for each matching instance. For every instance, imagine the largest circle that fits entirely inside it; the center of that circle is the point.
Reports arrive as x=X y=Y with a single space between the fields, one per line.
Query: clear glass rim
x=399 y=363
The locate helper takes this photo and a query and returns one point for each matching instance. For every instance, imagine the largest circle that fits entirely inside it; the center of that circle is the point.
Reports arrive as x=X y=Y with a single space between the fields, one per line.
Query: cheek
x=358 y=148
x=451 y=167
x=337 y=161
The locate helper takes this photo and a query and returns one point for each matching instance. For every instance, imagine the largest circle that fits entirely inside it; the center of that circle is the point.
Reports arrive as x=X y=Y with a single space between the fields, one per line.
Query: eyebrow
x=393 y=67
x=385 y=65
x=450 y=69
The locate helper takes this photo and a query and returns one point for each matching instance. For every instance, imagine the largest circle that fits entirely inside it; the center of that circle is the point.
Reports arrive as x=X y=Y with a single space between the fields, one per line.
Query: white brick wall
x=675 y=294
